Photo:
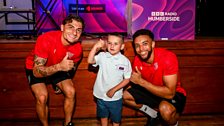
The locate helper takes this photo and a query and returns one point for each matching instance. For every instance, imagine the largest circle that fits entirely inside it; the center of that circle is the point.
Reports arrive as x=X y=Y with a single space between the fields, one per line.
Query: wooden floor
x=186 y=120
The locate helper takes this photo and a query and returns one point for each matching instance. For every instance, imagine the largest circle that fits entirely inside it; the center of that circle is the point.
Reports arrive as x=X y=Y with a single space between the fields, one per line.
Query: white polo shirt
x=112 y=70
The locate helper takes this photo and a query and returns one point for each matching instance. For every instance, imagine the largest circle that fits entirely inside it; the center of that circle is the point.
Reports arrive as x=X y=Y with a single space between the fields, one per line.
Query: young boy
x=114 y=73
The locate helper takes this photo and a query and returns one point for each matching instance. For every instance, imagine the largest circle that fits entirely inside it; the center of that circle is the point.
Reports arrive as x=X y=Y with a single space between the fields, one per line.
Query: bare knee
x=168 y=112
x=126 y=96
x=70 y=93
x=42 y=99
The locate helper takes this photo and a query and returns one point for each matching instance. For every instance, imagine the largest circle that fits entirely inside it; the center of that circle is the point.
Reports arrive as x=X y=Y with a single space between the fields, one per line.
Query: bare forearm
x=40 y=70
x=113 y=90
x=44 y=71
x=161 y=91
x=92 y=53
x=98 y=46
x=122 y=84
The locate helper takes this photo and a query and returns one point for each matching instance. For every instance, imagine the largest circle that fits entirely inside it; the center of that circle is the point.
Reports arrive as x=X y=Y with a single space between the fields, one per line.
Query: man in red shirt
x=54 y=60
x=156 y=89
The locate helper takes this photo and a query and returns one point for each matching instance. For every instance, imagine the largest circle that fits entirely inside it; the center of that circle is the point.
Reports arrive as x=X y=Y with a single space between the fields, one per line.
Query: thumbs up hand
x=136 y=76
x=66 y=64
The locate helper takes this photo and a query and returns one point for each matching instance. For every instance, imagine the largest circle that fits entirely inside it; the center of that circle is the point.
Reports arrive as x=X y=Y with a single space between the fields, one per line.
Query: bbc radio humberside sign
x=168 y=19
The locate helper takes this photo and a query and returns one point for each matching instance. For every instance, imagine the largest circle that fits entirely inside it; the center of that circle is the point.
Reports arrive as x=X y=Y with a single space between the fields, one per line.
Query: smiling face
x=71 y=32
x=144 y=46
x=114 y=44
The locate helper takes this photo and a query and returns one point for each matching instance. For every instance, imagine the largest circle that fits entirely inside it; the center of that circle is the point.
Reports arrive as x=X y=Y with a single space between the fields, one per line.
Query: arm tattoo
x=41 y=70
x=40 y=62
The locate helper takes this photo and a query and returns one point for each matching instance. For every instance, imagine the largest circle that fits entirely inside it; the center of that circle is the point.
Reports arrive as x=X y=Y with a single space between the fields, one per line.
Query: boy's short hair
x=118 y=35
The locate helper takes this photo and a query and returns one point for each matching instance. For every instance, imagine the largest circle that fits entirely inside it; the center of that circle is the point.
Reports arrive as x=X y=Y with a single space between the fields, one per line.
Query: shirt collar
x=108 y=55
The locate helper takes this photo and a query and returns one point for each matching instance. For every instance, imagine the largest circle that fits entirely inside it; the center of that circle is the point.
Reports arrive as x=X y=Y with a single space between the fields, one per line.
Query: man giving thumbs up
x=55 y=59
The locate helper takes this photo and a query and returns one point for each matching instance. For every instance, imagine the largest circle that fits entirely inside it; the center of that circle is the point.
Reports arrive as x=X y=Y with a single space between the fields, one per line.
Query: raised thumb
x=66 y=56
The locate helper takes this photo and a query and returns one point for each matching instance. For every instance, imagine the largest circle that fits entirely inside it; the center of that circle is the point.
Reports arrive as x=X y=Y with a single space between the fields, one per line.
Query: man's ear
x=62 y=27
x=153 y=44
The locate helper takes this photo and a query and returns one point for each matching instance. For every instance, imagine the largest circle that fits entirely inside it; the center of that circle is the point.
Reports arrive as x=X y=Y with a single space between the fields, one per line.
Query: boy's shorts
x=53 y=79
x=109 y=109
x=142 y=96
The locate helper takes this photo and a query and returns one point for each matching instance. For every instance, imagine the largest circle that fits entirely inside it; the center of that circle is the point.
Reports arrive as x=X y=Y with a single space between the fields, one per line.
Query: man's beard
x=147 y=58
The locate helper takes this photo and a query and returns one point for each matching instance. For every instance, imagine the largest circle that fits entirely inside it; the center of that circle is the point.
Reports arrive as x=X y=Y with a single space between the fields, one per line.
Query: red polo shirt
x=165 y=63
x=49 y=46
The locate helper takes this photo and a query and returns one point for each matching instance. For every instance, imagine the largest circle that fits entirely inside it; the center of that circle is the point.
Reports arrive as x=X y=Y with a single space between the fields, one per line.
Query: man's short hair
x=71 y=17
x=143 y=32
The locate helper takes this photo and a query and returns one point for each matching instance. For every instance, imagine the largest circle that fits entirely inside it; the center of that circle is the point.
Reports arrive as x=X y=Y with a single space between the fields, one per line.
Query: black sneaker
x=153 y=122
x=70 y=124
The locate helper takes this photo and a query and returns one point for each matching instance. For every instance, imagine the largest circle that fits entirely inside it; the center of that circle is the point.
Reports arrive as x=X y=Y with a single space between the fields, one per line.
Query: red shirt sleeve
x=171 y=64
x=41 y=47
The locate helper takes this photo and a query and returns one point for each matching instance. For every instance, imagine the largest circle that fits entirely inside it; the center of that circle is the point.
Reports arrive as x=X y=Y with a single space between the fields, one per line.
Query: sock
x=149 y=111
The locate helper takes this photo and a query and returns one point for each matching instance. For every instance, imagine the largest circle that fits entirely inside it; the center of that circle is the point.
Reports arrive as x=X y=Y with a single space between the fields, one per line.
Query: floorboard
x=186 y=120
